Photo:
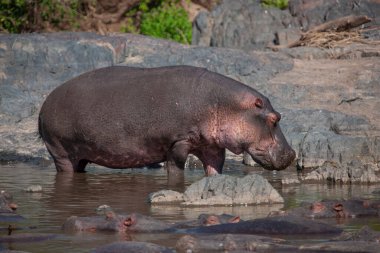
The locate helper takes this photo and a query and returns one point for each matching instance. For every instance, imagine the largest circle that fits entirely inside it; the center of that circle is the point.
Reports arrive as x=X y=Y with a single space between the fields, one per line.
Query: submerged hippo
x=122 y=117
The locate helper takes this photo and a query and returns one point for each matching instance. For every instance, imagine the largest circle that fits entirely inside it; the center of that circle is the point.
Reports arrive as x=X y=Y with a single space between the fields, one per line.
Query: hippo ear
x=259 y=103
x=235 y=219
x=212 y=220
x=249 y=101
x=129 y=221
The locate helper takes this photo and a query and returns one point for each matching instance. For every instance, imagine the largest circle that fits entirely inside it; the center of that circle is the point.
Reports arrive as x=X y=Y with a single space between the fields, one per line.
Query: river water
x=126 y=191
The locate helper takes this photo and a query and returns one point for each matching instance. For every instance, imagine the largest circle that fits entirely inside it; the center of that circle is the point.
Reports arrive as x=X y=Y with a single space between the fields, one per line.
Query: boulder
x=329 y=107
x=247 y=25
x=353 y=172
x=222 y=190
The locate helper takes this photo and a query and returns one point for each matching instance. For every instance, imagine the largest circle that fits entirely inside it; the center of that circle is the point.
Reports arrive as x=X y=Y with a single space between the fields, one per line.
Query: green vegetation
x=167 y=21
x=158 y=18
x=161 y=19
x=25 y=15
x=13 y=15
x=281 y=4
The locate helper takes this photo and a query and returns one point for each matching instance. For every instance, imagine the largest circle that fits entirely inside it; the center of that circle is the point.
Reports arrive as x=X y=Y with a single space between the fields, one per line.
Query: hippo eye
x=259 y=103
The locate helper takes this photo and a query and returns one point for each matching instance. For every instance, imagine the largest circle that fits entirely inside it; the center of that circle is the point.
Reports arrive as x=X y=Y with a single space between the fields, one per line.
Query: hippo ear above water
x=235 y=219
x=129 y=221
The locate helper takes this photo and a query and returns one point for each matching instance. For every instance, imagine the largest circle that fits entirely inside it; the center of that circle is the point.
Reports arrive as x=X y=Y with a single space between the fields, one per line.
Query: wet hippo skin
x=122 y=117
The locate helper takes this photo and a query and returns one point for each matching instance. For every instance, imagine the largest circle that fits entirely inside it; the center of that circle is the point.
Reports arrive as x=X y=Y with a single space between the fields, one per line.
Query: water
x=126 y=191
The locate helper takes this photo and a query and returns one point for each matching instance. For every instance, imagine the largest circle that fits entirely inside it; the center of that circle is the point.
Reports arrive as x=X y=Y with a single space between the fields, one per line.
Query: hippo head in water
x=255 y=129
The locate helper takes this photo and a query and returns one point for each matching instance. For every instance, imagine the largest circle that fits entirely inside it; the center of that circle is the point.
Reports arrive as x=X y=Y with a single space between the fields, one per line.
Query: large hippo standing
x=122 y=117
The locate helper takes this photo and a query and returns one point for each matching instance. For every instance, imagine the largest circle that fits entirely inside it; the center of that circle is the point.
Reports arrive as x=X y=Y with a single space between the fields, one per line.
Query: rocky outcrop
x=223 y=190
x=248 y=25
x=329 y=107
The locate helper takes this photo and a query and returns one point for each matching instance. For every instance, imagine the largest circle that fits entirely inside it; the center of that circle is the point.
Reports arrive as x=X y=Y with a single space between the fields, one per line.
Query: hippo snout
x=280 y=157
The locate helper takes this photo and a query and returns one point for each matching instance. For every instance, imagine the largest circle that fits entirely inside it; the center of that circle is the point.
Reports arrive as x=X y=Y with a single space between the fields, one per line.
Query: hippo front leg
x=176 y=158
x=212 y=159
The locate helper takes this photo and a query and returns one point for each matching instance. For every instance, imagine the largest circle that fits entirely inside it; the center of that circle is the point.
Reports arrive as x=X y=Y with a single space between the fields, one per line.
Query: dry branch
x=331 y=34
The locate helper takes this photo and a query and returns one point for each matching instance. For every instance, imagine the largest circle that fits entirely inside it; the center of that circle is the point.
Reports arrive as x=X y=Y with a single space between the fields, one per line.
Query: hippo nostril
x=274 y=117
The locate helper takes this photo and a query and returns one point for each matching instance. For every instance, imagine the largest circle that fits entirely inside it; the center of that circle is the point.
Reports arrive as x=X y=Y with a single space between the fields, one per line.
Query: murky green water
x=125 y=191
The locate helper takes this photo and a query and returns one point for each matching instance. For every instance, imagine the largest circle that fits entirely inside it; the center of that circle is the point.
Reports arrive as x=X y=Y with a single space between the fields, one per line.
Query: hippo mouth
x=273 y=158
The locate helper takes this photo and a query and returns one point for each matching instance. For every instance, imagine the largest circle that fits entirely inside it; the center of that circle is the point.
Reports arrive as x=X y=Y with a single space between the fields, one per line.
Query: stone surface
x=34 y=188
x=329 y=107
x=222 y=190
x=353 y=172
x=246 y=25
x=165 y=196
x=228 y=190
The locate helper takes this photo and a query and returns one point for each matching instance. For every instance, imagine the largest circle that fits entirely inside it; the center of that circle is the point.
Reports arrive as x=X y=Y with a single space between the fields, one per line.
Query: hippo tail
x=40 y=136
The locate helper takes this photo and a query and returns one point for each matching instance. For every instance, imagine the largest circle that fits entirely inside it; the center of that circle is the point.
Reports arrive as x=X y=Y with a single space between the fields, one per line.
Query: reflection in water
x=126 y=191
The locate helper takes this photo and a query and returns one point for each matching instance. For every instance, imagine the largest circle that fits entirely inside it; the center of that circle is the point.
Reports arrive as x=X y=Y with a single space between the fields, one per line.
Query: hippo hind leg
x=176 y=158
x=62 y=161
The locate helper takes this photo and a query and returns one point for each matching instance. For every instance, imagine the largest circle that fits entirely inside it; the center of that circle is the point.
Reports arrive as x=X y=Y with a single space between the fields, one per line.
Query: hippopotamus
x=123 y=117
x=135 y=222
x=278 y=225
x=351 y=208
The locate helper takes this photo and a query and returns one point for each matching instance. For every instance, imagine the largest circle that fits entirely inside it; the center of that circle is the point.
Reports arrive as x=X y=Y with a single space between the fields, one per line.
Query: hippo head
x=254 y=127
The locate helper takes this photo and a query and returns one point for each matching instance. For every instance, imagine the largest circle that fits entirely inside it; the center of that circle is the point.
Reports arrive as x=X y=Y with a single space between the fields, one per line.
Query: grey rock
x=353 y=172
x=310 y=13
x=229 y=190
x=34 y=188
x=240 y=24
x=165 y=196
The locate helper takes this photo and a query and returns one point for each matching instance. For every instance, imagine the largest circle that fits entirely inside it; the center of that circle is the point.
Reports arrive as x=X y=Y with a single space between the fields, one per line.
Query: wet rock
x=353 y=172
x=165 y=196
x=132 y=247
x=34 y=188
x=231 y=243
x=277 y=225
x=222 y=190
x=290 y=180
x=229 y=190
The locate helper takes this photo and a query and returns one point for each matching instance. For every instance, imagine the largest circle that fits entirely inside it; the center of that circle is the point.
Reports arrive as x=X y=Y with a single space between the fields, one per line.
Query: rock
x=31 y=65
x=328 y=106
x=310 y=13
x=165 y=196
x=240 y=24
x=229 y=190
x=290 y=180
x=132 y=247
x=248 y=26
x=222 y=190
x=34 y=188
x=353 y=172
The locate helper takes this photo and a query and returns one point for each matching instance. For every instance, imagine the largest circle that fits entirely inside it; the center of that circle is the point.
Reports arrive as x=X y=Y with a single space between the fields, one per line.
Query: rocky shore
x=328 y=98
